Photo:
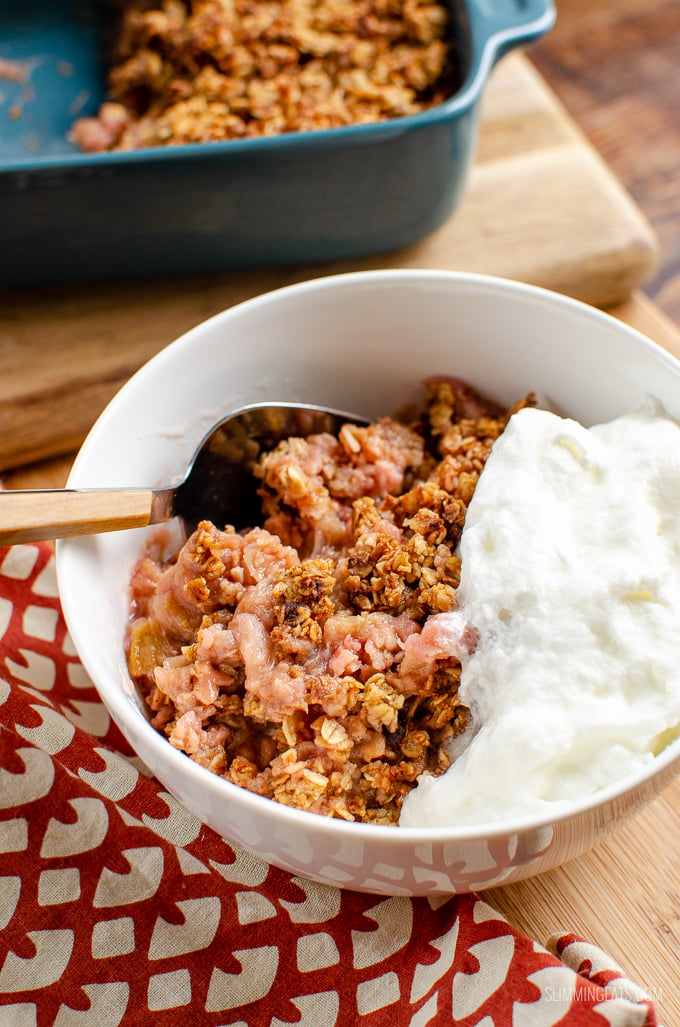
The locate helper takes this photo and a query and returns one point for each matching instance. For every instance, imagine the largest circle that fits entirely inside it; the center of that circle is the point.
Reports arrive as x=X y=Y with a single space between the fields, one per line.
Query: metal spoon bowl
x=218 y=486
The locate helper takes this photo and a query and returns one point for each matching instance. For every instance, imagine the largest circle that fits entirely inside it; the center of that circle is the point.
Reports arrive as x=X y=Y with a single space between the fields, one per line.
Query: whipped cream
x=570 y=576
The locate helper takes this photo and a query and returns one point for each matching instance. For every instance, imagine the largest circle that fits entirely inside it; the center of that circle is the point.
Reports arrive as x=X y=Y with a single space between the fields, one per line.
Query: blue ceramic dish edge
x=494 y=32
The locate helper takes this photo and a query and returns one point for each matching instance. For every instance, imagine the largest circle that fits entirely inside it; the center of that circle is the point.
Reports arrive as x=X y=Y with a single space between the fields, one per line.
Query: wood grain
x=40 y=516
x=616 y=67
x=541 y=206
x=622 y=895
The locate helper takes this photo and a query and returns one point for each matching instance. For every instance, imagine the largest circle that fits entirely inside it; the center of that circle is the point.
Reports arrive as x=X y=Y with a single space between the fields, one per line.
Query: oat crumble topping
x=308 y=660
x=205 y=70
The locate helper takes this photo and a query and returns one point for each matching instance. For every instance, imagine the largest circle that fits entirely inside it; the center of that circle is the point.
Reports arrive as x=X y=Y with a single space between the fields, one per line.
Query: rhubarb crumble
x=315 y=660
x=188 y=71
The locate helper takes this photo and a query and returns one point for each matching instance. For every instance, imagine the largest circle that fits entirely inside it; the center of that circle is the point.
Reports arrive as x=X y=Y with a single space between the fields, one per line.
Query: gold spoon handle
x=37 y=515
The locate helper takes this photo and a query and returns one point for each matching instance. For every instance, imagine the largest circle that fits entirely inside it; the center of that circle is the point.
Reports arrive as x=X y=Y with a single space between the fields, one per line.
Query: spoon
x=218 y=486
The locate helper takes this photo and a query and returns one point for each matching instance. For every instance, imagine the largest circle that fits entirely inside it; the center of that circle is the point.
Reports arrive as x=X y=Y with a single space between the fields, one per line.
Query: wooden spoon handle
x=38 y=515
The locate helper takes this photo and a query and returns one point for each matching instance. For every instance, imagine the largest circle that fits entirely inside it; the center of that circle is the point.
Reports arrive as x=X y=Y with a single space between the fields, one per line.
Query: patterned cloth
x=118 y=907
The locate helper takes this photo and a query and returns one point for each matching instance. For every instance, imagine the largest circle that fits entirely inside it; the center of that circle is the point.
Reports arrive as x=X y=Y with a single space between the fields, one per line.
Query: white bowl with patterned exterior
x=360 y=342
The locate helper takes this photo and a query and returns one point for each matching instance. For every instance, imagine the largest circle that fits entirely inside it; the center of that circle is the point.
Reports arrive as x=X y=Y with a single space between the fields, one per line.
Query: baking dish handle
x=501 y=25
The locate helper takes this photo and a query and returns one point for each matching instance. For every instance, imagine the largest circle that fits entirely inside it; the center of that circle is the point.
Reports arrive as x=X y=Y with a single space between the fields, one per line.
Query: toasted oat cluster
x=187 y=71
x=316 y=660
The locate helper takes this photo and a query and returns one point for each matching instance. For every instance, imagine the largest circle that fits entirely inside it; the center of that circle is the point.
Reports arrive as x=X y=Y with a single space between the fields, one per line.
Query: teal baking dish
x=302 y=197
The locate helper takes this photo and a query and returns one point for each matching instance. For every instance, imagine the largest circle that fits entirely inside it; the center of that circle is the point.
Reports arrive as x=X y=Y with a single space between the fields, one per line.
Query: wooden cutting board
x=540 y=207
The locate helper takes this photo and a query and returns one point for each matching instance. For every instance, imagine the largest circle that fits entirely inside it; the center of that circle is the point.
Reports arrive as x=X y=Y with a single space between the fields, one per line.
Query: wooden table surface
x=614 y=64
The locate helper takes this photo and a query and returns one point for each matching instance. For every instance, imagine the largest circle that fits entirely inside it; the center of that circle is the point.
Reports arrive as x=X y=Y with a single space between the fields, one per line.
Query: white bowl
x=360 y=342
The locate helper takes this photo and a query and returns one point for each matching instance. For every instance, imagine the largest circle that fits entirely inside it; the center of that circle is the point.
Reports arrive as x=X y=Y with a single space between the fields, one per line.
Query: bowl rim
x=119 y=706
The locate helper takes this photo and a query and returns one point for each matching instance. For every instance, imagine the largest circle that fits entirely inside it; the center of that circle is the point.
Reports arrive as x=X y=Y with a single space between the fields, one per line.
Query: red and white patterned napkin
x=118 y=907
